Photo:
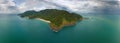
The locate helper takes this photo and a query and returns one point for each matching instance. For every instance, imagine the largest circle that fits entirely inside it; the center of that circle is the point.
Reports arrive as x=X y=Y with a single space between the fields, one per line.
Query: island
x=57 y=19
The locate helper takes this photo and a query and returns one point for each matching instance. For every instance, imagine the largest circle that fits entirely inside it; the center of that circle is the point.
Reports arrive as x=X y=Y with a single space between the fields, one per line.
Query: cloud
x=69 y=5
x=109 y=7
x=79 y=6
x=7 y=7
x=82 y=6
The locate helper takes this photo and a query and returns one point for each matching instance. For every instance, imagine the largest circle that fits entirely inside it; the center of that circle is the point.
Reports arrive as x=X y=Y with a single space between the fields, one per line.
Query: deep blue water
x=96 y=29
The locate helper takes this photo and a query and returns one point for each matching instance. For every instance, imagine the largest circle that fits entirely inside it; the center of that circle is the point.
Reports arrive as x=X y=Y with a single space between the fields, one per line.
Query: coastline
x=44 y=20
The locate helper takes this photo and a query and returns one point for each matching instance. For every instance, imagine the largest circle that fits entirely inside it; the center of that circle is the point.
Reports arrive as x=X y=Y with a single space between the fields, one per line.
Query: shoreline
x=44 y=20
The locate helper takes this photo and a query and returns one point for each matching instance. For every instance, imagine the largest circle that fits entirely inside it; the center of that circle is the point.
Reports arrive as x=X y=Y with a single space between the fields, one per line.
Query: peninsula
x=57 y=19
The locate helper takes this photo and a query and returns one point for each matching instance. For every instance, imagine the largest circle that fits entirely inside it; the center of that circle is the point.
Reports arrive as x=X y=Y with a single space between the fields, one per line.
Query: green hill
x=58 y=18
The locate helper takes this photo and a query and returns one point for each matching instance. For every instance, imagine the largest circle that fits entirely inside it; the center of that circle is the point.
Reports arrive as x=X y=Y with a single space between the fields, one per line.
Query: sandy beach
x=44 y=20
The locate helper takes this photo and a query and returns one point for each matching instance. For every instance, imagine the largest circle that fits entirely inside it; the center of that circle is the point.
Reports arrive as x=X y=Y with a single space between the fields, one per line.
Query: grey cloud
x=106 y=6
x=55 y=4
x=113 y=2
x=110 y=7
x=4 y=2
x=8 y=7
x=81 y=6
x=13 y=9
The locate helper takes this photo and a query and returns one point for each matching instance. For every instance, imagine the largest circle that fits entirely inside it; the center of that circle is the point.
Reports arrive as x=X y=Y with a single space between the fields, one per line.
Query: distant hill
x=58 y=18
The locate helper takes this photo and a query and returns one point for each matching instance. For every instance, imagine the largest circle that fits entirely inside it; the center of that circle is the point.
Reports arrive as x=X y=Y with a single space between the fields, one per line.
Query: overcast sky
x=81 y=6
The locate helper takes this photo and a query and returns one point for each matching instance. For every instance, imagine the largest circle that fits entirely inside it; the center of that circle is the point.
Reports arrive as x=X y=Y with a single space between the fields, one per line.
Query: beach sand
x=44 y=20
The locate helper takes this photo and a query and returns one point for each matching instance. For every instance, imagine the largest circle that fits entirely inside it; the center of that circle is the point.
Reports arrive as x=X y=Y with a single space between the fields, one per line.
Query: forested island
x=58 y=18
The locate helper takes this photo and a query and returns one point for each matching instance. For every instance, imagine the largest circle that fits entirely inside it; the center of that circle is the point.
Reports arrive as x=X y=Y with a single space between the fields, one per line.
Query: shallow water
x=96 y=29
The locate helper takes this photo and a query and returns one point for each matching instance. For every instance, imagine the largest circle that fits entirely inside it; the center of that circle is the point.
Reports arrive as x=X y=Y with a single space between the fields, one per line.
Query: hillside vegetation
x=58 y=18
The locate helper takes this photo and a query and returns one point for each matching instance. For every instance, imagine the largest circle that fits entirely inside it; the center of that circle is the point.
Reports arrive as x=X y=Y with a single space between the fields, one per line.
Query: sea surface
x=98 y=28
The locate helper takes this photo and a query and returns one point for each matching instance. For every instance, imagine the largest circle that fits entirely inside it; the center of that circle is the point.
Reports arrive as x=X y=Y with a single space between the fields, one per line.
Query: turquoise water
x=96 y=29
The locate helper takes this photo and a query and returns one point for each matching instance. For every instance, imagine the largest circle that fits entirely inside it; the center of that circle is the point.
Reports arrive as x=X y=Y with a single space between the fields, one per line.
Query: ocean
x=99 y=28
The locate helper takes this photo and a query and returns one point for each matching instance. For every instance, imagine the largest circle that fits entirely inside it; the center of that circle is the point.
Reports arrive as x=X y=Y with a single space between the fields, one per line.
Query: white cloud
x=71 y=5
x=7 y=7
x=82 y=6
x=34 y=5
